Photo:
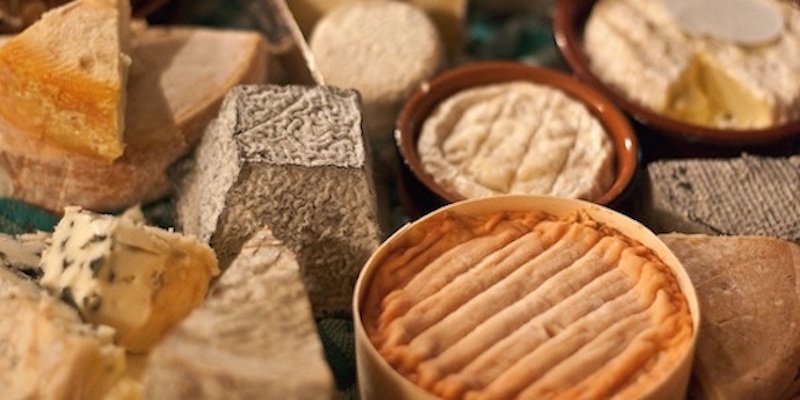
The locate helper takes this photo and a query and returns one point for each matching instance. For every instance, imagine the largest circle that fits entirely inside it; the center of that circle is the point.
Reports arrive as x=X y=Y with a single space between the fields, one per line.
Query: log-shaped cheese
x=292 y=158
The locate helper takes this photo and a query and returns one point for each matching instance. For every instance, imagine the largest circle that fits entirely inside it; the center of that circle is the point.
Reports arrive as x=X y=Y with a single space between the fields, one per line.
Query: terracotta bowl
x=425 y=100
x=569 y=19
x=378 y=380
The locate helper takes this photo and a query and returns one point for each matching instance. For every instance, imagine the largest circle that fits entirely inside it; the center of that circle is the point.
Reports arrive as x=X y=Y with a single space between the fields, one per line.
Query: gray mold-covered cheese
x=292 y=158
x=253 y=338
x=749 y=195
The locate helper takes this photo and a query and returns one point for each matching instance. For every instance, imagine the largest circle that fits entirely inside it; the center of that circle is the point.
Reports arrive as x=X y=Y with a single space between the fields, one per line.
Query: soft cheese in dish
x=638 y=48
x=47 y=352
x=525 y=305
x=516 y=138
x=137 y=279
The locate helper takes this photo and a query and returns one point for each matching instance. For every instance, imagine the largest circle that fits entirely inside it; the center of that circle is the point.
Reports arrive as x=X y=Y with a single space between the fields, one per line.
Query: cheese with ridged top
x=516 y=137
x=138 y=279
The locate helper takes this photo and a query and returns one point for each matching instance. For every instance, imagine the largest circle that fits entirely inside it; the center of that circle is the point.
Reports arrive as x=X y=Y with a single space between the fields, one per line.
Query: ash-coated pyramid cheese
x=254 y=337
x=63 y=80
x=137 y=279
x=47 y=352
x=292 y=158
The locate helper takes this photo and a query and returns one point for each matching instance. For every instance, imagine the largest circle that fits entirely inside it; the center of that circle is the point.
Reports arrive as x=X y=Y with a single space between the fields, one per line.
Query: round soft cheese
x=641 y=50
x=516 y=138
x=383 y=49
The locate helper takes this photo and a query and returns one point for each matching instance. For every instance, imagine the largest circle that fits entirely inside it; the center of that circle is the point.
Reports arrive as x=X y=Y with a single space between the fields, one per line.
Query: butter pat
x=47 y=352
x=137 y=279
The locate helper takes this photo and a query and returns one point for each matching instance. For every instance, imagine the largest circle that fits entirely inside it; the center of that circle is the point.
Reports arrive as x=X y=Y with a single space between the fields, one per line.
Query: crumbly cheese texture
x=638 y=48
x=520 y=138
x=63 y=79
x=46 y=351
x=137 y=279
x=525 y=305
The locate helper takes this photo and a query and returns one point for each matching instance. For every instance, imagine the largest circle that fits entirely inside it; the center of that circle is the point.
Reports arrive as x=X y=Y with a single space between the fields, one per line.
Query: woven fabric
x=744 y=196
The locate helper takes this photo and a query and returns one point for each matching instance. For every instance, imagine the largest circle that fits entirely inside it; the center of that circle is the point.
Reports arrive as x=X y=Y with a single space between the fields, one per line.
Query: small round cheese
x=383 y=49
x=516 y=138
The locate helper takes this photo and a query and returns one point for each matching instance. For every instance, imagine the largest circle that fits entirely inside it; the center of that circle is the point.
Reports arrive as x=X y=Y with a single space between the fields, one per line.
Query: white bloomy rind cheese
x=137 y=279
x=639 y=48
x=46 y=351
x=516 y=138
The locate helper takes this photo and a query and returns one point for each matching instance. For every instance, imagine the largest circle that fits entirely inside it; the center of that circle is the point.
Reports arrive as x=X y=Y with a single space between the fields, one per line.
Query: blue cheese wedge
x=46 y=351
x=137 y=279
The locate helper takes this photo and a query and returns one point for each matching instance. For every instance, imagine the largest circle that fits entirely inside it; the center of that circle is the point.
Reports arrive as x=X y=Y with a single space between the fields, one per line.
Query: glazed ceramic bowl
x=378 y=380
x=425 y=100
x=569 y=19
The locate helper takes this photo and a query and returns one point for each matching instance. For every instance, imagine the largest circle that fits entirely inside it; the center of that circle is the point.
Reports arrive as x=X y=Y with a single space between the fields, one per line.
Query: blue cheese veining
x=137 y=279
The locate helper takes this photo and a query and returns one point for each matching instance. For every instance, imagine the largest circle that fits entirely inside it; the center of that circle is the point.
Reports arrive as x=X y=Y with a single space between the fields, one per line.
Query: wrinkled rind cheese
x=639 y=49
x=46 y=351
x=516 y=138
x=22 y=253
x=137 y=279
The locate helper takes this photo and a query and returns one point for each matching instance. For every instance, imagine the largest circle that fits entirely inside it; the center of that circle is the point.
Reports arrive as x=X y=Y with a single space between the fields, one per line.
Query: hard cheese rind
x=745 y=196
x=140 y=280
x=63 y=80
x=292 y=158
x=253 y=337
x=46 y=351
x=749 y=292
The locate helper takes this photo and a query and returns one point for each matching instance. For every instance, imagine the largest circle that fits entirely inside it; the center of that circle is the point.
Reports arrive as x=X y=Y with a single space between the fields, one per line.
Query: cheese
x=448 y=15
x=292 y=158
x=63 y=79
x=46 y=352
x=253 y=338
x=383 y=49
x=633 y=45
x=516 y=138
x=744 y=196
x=23 y=253
x=137 y=279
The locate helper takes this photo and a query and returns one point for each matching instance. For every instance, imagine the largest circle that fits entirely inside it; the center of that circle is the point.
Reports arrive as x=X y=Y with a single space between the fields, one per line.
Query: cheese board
x=241 y=268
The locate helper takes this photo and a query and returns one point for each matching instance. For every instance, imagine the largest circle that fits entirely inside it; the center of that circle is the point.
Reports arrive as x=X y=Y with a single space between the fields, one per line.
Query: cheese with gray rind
x=749 y=293
x=22 y=253
x=46 y=351
x=750 y=195
x=253 y=338
x=292 y=158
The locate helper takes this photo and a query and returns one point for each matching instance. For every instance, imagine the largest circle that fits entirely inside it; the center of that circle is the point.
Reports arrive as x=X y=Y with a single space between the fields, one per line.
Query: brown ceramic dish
x=425 y=100
x=569 y=19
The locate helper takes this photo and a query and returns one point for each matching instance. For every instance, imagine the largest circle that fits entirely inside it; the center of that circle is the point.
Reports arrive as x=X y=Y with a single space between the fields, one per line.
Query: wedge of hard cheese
x=63 y=80
x=750 y=195
x=254 y=337
x=46 y=352
x=140 y=280
x=292 y=158
x=749 y=292
x=178 y=79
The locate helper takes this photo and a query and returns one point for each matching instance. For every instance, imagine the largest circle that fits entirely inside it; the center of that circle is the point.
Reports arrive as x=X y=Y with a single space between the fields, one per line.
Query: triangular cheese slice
x=63 y=79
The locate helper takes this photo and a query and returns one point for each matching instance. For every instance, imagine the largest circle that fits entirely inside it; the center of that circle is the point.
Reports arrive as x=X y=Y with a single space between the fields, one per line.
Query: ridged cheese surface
x=638 y=48
x=520 y=138
x=522 y=305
